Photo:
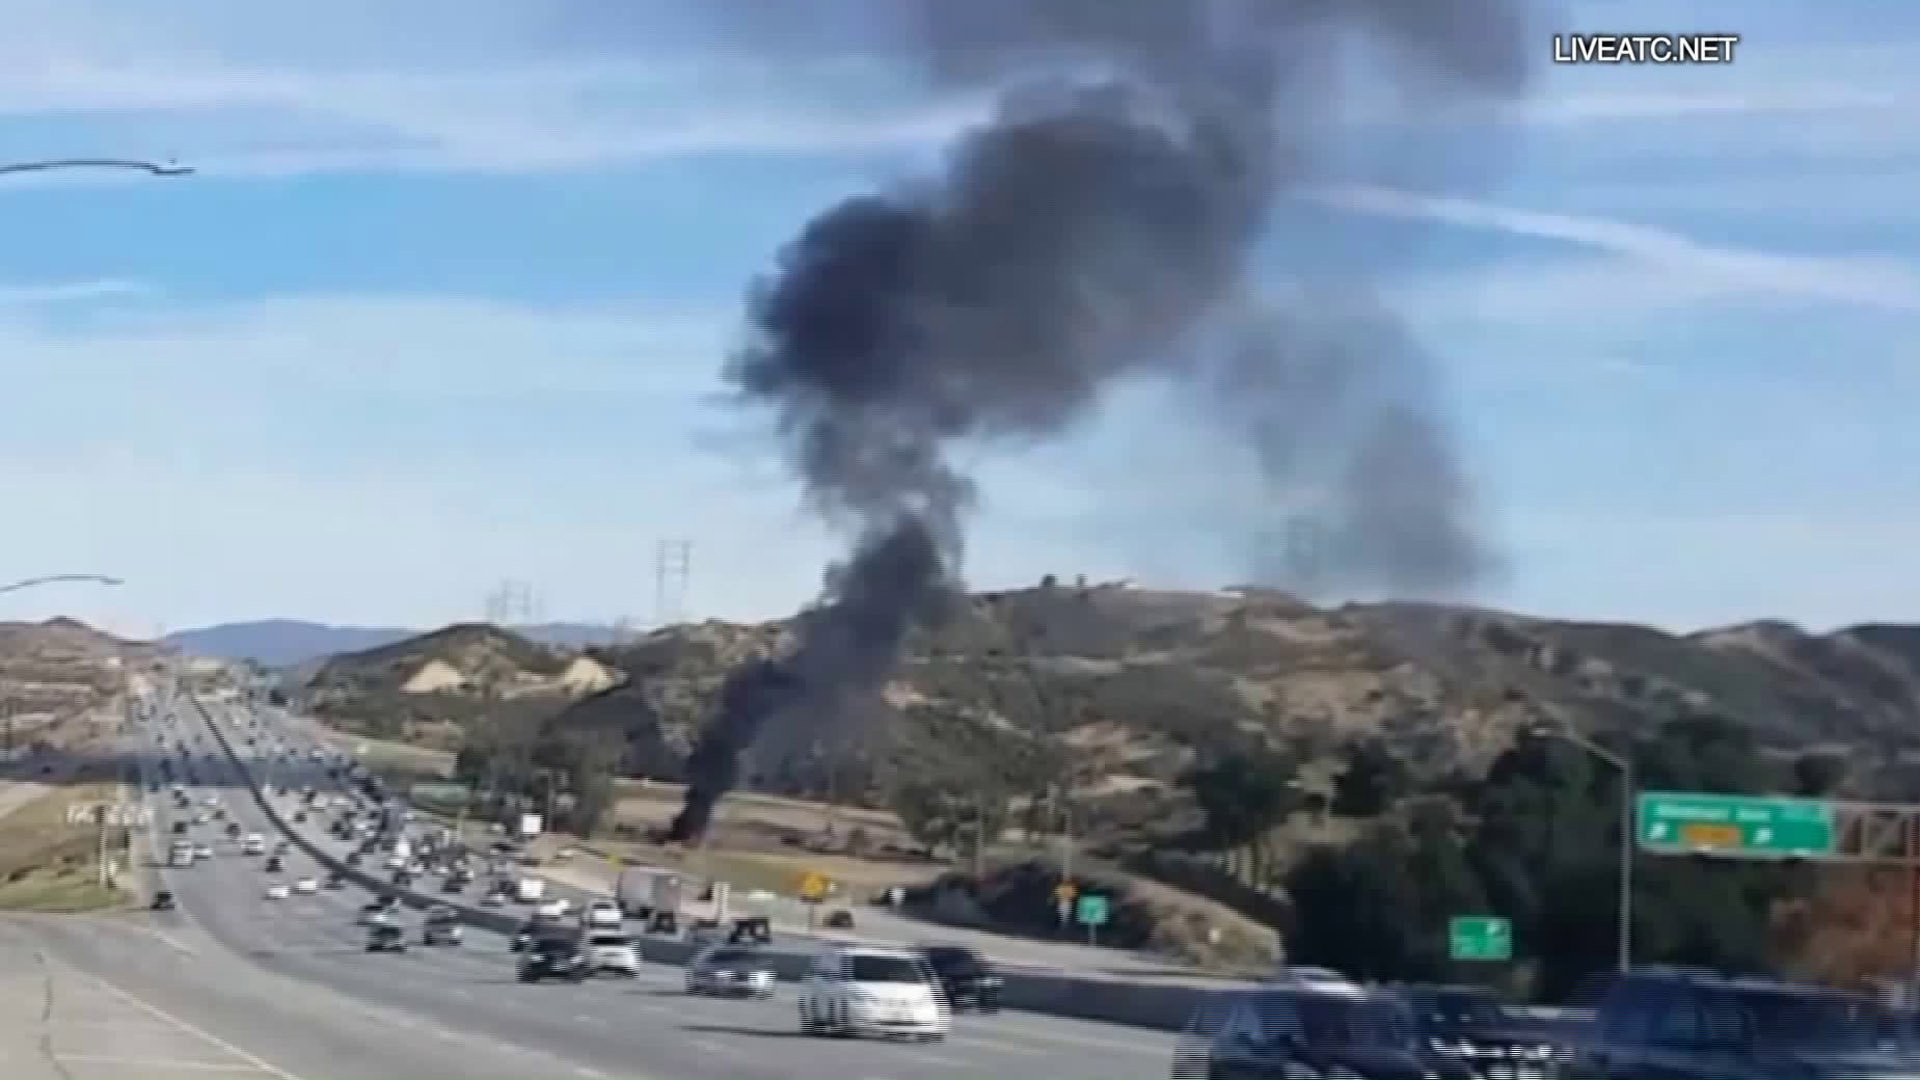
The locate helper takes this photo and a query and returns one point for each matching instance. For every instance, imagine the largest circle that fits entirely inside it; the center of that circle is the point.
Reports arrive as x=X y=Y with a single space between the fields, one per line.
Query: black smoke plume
x=1087 y=231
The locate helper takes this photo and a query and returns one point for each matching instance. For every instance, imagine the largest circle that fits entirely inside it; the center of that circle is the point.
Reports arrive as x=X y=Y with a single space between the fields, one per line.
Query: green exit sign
x=1479 y=937
x=1736 y=825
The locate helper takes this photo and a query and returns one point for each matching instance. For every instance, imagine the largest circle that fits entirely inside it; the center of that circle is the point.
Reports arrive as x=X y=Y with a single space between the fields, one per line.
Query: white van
x=529 y=890
x=855 y=991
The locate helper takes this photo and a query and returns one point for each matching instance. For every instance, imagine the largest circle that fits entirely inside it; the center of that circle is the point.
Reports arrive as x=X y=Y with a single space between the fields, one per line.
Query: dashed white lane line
x=1016 y=1030
x=216 y=1041
x=157 y=1063
x=942 y=1059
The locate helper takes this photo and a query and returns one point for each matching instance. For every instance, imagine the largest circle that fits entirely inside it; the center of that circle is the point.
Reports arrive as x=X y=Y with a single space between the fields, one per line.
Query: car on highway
x=1470 y=1023
x=969 y=982
x=383 y=910
x=871 y=990
x=278 y=892
x=610 y=952
x=1307 y=1029
x=386 y=937
x=442 y=927
x=233 y=830
x=254 y=844
x=556 y=908
x=535 y=929
x=601 y=914
x=162 y=901
x=730 y=971
x=273 y=865
x=306 y=886
x=1688 y=1025
x=203 y=851
x=553 y=958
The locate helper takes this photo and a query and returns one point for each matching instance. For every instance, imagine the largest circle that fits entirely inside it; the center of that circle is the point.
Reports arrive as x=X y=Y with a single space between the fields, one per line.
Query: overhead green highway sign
x=1479 y=937
x=1736 y=825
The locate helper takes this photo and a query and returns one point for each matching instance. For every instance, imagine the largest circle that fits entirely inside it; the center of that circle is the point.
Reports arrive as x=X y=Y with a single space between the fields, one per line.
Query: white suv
x=612 y=951
x=857 y=991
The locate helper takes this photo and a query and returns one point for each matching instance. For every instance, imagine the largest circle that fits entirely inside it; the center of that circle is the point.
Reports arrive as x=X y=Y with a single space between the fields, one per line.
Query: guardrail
x=1163 y=1007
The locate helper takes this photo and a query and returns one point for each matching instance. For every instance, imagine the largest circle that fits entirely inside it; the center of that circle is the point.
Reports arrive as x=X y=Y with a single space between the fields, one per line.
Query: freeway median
x=1158 y=1003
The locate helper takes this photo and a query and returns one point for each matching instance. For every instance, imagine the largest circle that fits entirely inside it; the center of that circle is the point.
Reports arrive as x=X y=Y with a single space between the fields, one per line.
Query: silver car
x=730 y=971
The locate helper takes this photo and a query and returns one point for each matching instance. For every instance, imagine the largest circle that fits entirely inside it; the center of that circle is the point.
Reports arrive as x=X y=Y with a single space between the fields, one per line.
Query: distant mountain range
x=289 y=642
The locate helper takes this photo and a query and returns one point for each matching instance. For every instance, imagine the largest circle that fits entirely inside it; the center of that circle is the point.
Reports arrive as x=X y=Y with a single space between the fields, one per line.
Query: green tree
x=1818 y=774
x=1375 y=776
x=1242 y=794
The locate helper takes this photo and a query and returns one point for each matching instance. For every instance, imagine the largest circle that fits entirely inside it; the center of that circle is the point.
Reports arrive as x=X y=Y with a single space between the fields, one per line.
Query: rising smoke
x=1094 y=228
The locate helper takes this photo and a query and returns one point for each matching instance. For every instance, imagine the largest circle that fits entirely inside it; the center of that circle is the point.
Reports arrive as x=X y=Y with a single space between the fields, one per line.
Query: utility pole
x=100 y=844
x=672 y=570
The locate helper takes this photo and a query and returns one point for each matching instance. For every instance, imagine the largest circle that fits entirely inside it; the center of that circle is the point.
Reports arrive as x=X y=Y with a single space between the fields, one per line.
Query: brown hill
x=433 y=686
x=60 y=665
x=1118 y=688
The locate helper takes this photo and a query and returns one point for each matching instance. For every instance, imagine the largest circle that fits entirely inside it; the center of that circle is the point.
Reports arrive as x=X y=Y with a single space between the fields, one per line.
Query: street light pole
x=54 y=579
x=150 y=167
x=1628 y=790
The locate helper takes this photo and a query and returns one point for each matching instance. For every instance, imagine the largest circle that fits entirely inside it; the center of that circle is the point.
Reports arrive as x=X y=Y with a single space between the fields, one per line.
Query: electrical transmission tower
x=513 y=603
x=672 y=567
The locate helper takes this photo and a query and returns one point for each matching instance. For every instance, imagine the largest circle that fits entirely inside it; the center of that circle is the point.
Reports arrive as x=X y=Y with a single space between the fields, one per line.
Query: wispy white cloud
x=1867 y=282
x=69 y=291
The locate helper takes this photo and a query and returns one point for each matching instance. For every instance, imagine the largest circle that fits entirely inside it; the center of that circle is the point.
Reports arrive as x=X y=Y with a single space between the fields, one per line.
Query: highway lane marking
x=942 y=1059
x=210 y=1039
x=1022 y=1031
x=155 y=1063
x=162 y=936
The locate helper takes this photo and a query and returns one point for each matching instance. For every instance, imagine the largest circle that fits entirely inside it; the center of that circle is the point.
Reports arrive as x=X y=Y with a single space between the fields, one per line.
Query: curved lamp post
x=152 y=167
x=1628 y=790
x=54 y=579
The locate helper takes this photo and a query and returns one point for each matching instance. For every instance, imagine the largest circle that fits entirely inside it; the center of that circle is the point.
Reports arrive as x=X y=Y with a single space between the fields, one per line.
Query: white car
x=278 y=892
x=395 y=862
x=255 y=844
x=855 y=991
x=601 y=915
x=202 y=851
x=306 y=886
x=612 y=952
x=556 y=908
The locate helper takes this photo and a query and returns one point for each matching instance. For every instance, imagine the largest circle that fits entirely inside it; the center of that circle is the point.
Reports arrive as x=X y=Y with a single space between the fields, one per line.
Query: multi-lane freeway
x=286 y=988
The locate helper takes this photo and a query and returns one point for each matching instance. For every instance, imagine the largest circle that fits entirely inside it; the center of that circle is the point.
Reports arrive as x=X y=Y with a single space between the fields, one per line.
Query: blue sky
x=447 y=302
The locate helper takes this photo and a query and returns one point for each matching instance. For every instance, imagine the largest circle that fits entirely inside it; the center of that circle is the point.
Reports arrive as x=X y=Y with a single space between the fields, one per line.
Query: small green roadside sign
x=1736 y=825
x=1479 y=937
x=1091 y=910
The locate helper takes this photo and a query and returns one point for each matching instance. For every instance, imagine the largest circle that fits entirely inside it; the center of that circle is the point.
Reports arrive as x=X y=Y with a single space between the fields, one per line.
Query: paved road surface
x=587 y=878
x=465 y=1003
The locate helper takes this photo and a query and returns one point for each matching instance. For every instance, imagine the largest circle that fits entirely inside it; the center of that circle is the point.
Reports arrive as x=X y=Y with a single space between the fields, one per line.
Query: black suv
x=1689 y=1025
x=554 y=958
x=1469 y=1023
x=386 y=938
x=1284 y=1034
x=965 y=977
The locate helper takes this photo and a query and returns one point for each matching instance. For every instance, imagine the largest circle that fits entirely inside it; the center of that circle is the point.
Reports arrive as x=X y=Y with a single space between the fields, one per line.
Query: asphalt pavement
x=463 y=1010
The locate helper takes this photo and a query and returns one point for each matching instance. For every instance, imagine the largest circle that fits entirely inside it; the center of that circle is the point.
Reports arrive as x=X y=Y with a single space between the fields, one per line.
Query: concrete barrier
x=1162 y=1007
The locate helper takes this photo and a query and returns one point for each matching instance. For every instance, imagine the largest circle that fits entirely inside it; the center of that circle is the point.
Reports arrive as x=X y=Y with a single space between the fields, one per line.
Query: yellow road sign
x=1066 y=890
x=813 y=885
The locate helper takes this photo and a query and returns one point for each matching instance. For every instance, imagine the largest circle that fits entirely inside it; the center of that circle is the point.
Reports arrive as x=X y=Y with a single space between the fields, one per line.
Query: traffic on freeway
x=570 y=989
x=576 y=991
